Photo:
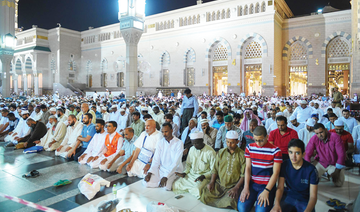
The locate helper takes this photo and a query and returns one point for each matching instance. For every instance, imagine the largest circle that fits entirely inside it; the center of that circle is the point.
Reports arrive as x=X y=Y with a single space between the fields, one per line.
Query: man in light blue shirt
x=87 y=133
x=189 y=108
x=350 y=121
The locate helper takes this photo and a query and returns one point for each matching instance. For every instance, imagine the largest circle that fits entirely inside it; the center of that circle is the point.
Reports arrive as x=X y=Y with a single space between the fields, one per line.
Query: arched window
x=263 y=7
x=181 y=22
x=198 y=19
x=223 y=14
x=228 y=13
x=189 y=20
x=251 y=9
x=257 y=8
x=240 y=11
x=213 y=16
x=165 y=72
x=185 y=21
x=246 y=10
x=120 y=79
x=298 y=68
x=218 y=15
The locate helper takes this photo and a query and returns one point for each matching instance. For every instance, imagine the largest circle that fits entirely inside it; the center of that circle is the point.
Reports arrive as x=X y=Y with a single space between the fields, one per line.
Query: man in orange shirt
x=113 y=144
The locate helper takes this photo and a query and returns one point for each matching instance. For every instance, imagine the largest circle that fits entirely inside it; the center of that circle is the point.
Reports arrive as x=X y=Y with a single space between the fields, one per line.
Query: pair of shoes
x=62 y=183
x=336 y=203
x=31 y=174
x=20 y=146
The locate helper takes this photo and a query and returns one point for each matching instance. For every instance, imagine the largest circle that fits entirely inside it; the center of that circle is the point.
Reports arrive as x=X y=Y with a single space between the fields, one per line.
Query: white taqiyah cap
x=24 y=112
x=232 y=135
x=292 y=118
x=303 y=102
x=122 y=110
x=204 y=121
x=280 y=114
x=310 y=122
x=52 y=109
x=114 y=106
x=196 y=135
x=103 y=108
x=339 y=123
x=239 y=112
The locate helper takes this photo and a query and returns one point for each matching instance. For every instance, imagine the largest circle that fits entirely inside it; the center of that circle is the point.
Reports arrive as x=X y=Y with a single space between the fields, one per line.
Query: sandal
x=62 y=183
x=335 y=202
x=31 y=174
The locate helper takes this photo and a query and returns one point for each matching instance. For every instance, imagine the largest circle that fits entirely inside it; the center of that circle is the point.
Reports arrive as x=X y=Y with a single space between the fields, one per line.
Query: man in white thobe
x=349 y=121
x=122 y=120
x=158 y=115
x=307 y=132
x=294 y=124
x=105 y=114
x=21 y=130
x=54 y=136
x=145 y=148
x=166 y=161
x=96 y=146
x=69 y=143
x=199 y=163
x=303 y=112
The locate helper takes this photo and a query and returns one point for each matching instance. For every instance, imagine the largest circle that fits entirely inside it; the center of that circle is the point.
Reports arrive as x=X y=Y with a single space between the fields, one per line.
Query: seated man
x=348 y=120
x=21 y=130
x=96 y=146
x=124 y=155
x=281 y=136
x=347 y=140
x=145 y=148
x=248 y=135
x=38 y=130
x=330 y=125
x=127 y=150
x=221 y=140
x=199 y=165
x=209 y=133
x=69 y=147
x=4 y=122
x=113 y=144
x=295 y=125
x=263 y=163
x=186 y=138
x=13 y=122
x=166 y=161
x=219 y=122
x=308 y=132
x=301 y=180
x=137 y=125
x=330 y=154
x=54 y=136
x=88 y=131
x=169 y=118
x=227 y=176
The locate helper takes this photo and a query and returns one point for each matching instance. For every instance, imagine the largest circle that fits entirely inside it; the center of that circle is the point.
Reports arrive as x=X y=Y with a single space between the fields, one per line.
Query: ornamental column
x=132 y=18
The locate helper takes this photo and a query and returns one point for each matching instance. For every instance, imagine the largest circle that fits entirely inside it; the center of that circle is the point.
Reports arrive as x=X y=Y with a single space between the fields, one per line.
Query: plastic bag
x=90 y=184
x=159 y=207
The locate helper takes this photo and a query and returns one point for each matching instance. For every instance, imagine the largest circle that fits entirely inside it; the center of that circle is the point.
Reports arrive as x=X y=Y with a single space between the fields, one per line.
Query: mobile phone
x=179 y=197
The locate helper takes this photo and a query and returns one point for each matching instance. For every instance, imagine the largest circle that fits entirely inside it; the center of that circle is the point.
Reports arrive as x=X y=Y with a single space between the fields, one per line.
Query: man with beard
x=54 y=135
x=60 y=114
x=209 y=133
x=88 y=131
x=20 y=131
x=158 y=115
x=125 y=154
x=220 y=141
x=166 y=161
x=306 y=133
x=96 y=146
x=45 y=115
x=38 y=130
x=85 y=109
x=69 y=144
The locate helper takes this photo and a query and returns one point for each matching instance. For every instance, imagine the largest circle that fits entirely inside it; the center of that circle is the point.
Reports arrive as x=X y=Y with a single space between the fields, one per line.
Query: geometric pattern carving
x=255 y=37
x=338 y=47
x=333 y=35
x=298 y=51
x=253 y=50
x=220 y=53
x=303 y=40
x=214 y=43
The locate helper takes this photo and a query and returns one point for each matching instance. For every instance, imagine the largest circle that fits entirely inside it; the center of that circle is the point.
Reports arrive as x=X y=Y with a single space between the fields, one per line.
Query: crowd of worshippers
x=225 y=153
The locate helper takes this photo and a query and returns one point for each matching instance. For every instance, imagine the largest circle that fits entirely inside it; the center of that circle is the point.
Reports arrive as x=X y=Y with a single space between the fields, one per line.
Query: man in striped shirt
x=263 y=163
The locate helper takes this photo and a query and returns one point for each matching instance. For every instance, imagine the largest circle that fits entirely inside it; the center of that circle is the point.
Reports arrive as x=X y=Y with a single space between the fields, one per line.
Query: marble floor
x=132 y=194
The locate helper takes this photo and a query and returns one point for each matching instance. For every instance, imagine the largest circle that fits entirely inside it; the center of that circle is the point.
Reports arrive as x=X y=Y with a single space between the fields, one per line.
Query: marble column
x=36 y=84
x=5 y=67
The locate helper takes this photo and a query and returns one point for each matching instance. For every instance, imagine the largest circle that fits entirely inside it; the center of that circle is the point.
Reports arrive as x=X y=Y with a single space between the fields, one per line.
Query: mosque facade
x=241 y=46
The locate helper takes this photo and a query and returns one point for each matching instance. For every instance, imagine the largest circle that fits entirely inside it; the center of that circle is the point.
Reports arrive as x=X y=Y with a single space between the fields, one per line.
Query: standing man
x=189 y=108
x=282 y=136
x=337 y=97
x=166 y=161
x=330 y=155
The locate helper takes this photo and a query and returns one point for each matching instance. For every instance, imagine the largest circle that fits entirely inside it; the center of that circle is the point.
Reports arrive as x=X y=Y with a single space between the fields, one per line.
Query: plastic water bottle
x=114 y=191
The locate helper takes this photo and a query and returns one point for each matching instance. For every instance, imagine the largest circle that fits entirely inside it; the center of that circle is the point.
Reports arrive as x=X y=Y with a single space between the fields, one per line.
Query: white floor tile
x=205 y=208
x=188 y=202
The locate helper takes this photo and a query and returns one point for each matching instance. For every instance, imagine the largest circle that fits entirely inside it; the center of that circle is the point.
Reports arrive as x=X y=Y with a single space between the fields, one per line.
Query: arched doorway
x=338 y=65
x=165 y=72
x=252 y=61
x=220 y=69
x=298 y=70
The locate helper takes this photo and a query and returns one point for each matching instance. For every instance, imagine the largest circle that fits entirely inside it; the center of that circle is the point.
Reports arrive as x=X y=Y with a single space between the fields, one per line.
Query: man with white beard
x=54 y=136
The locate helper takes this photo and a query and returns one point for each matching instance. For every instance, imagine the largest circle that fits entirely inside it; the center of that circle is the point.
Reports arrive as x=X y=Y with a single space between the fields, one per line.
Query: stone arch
x=213 y=44
x=192 y=53
x=333 y=35
x=293 y=40
x=104 y=65
x=29 y=57
x=165 y=55
x=257 y=38
x=18 y=65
